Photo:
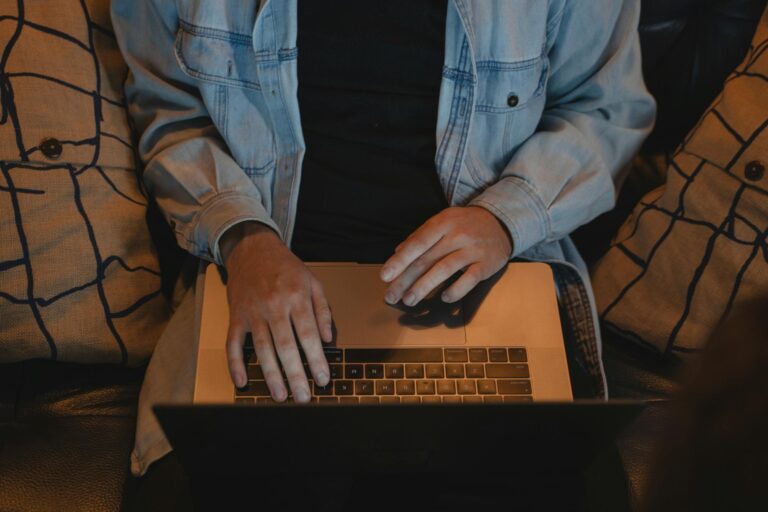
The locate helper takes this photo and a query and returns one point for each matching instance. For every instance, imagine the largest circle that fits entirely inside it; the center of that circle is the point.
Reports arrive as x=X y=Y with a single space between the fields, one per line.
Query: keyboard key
x=435 y=371
x=337 y=371
x=466 y=387
x=374 y=371
x=328 y=400
x=506 y=371
x=411 y=399
x=363 y=387
x=250 y=357
x=343 y=387
x=414 y=371
x=254 y=372
x=334 y=355
x=493 y=399
x=353 y=371
x=394 y=355
x=451 y=399
x=472 y=399
x=475 y=371
x=486 y=387
x=517 y=355
x=348 y=400
x=431 y=400
x=245 y=401
x=323 y=390
x=389 y=399
x=517 y=398
x=455 y=355
x=405 y=387
x=394 y=371
x=385 y=387
x=254 y=388
x=498 y=355
x=369 y=400
x=425 y=387
x=454 y=371
x=446 y=387
x=514 y=387
x=478 y=355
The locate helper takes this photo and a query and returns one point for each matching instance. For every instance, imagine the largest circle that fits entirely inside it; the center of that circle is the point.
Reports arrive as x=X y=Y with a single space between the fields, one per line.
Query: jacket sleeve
x=598 y=112
x=199 y=187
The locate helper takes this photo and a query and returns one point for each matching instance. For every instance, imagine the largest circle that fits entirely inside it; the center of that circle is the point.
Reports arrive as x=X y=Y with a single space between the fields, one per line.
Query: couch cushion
x=695 y=248
x=79 y=278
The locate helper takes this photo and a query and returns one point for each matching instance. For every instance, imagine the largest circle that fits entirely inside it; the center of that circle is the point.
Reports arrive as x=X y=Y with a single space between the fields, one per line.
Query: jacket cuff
x=220 y=214
x=520 y=209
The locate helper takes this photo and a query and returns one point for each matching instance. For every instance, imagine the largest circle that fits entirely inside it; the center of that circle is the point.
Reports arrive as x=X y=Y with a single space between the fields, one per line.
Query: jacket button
x=754 y=171
x=51 y=148
x=513 y=100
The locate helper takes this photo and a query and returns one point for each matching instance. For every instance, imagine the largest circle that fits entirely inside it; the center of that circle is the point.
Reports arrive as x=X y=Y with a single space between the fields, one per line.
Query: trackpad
x=362 y=318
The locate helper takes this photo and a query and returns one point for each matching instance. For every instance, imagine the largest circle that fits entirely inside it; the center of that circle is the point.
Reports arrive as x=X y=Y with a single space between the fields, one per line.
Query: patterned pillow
x=695 y=249
x=79 y=278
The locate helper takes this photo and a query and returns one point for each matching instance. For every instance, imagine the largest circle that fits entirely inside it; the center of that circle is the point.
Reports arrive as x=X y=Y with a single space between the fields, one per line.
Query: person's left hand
x=467 y=238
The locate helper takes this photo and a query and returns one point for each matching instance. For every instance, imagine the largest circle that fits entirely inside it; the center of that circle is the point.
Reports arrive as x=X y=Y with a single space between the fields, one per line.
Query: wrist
x=239 y=232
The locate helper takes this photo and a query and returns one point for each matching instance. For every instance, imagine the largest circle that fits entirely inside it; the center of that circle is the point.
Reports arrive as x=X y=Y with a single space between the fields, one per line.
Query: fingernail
x=390 y=298
x=386 y=274
x=280 y=396
x=302 y=395
x=322 y=378
x=444 y=297
x=409 y=299
x=242 y=380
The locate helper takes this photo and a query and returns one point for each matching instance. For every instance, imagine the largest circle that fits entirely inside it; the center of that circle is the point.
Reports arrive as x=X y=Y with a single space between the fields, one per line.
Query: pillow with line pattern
x=695 y=249
x=79 y=277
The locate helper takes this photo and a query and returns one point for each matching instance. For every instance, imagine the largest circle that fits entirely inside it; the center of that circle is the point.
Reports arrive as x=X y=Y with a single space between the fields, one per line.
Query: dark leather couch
x=66 y=433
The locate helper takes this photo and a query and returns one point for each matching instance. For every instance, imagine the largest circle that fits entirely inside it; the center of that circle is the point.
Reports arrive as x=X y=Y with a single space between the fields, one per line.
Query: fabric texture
x=79 y=277
x=369 y=84
x=695 y=248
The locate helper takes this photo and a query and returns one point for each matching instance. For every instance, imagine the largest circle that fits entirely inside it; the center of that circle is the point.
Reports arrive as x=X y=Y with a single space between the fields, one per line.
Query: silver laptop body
x=502 y=343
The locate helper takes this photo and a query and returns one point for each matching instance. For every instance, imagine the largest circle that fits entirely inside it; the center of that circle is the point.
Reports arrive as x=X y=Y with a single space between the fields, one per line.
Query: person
x=437 y=137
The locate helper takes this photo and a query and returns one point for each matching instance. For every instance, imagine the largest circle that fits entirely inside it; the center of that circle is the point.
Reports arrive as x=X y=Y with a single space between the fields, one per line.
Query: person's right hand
x=271 y=292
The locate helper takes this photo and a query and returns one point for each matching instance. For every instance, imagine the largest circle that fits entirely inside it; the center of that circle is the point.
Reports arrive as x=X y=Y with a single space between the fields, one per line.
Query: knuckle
x=284 y=344
x=296 y=376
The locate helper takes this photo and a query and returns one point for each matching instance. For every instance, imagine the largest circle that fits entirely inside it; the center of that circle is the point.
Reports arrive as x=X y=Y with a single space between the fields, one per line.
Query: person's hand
x=469 y=238
x=271 y=293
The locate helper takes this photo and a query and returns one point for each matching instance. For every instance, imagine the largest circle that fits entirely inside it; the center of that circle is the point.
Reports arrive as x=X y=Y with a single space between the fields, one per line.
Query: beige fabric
x=695 y=248
x=79 y=279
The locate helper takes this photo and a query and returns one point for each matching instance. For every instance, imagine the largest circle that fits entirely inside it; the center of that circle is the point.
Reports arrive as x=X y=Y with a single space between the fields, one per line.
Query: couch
x=689 y=46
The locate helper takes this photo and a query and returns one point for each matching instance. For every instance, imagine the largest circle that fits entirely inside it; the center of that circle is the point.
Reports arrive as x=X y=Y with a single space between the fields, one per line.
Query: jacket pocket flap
x=509 y=86
x=217 y=56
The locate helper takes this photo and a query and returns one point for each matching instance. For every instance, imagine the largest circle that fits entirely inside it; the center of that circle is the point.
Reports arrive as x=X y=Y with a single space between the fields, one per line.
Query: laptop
x=431 y=389
x=502 y=343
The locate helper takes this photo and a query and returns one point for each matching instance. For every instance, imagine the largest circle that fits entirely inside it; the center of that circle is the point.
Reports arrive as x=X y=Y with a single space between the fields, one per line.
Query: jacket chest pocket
x=510 y=100
x=224 y=67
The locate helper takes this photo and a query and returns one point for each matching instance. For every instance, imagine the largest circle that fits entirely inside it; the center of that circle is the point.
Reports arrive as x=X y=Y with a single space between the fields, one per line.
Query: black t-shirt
x=369 y=82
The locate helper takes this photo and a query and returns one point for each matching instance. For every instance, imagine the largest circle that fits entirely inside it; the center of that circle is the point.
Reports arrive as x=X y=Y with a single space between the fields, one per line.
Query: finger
x=437 y=275
x=422 y=240
x=415 y=270
x=304 y=322
x=288 y=352
x=235 y=339
x=322 y=312
x=471 y=277
x=270 y=367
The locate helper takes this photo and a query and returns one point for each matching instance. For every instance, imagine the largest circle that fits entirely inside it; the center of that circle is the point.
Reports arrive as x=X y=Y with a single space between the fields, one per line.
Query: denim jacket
x=542 y=103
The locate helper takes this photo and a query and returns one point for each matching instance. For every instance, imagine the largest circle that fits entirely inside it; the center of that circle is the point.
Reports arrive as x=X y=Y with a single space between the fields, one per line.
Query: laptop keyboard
x=410 y=376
